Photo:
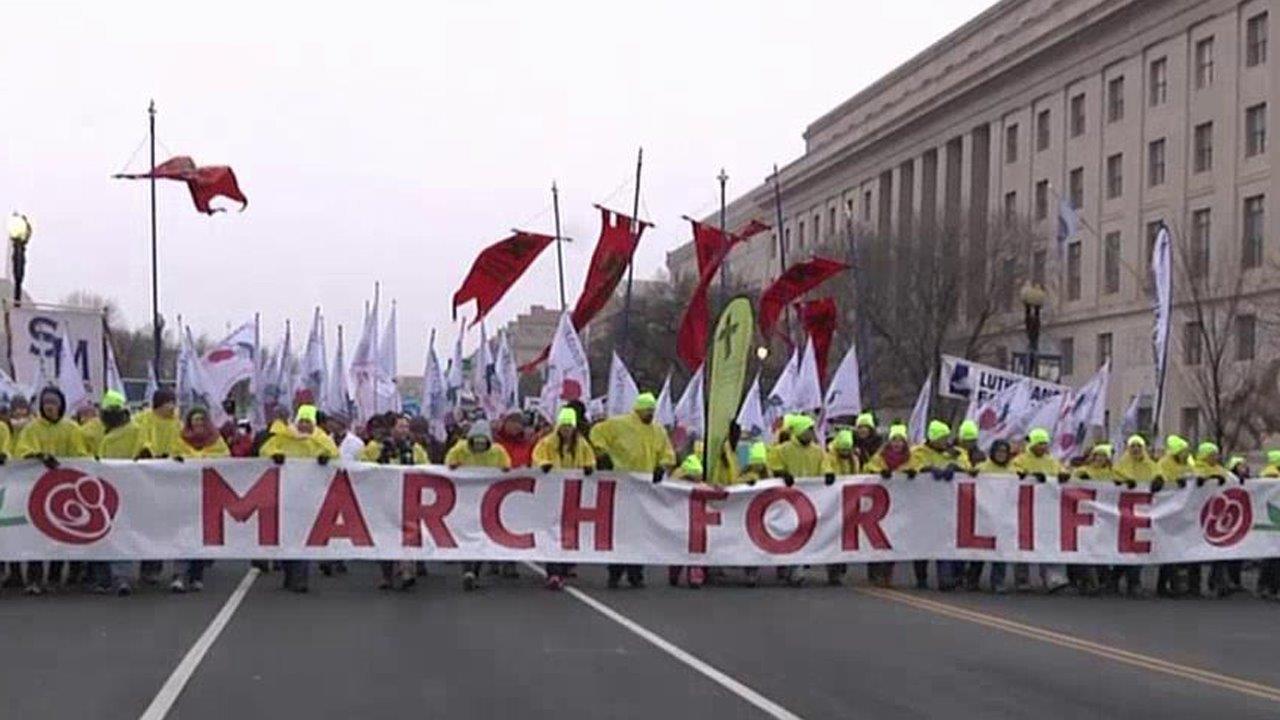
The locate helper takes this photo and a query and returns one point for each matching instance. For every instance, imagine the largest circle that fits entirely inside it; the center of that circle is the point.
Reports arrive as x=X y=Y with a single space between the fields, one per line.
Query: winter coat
x=633 y=446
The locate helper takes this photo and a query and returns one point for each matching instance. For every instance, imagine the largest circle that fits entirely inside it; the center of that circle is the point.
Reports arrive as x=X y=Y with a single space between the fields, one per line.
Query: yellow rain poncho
x=632 y=445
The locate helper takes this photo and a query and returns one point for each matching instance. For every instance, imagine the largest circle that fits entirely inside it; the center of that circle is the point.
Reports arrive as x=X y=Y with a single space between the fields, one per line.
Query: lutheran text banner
x=117 y=510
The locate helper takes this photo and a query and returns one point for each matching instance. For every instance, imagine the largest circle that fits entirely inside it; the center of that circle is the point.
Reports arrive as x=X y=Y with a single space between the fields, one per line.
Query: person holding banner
x=893 y=456
x=801 y=457
x=1036 y=461
x=90 y=421
x=969 y=443
x=564 y=449
x=690 y=470
x=1208 y=466
x=865 y=437
x=1175 y=580
x=999 y=462
x=122 y=439
x=942 y=459
x=47 y=438
x=1089 y=579
x=477 y=450
x=302 y=440
x=396 y=447
x=840 y=459
x=200 y=439
x=633 y=442
x=1135 y=467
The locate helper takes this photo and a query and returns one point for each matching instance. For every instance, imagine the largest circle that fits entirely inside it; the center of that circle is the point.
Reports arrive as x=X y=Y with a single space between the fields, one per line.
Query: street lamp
x=1033 y=298
x=19 y=229
x=762 y=353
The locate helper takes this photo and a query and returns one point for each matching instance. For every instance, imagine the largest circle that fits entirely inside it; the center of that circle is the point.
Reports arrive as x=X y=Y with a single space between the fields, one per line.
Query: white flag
x=287 y=372
x=388 y=348
x=313 y=359
x=920 y=412
x=435 y=402
x=1128 y=424
x=844 y=397
x=70 y=381
x=1081 y=414
x=153 y=384
x=506 y=378
x=778 y=402
x=665 y=412
x=336 y=398
x=192 y=386
x=482 y=372
x=690 y=412
x=751 y=414
x=1161 y=273
x=365 y=369
x=568 y=373
x=806 y=392
x=622 y=388
x=114 y=382
x=230 y=361
x=453 y=376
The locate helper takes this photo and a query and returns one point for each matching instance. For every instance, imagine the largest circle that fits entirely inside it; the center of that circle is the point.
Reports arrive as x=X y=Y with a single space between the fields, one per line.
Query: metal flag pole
x=555 y=205
x=782 y=246
x=156 y=321
x=635 y=234
x=723 y=177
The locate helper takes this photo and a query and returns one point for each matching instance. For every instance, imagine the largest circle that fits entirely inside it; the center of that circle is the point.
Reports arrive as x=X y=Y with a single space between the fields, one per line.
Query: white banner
x=36 y=336
x=119 y=510
x=960 y=378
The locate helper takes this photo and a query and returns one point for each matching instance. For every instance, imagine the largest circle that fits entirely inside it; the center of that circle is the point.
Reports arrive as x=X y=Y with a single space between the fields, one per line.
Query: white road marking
x=769 y=707
x=172 y=687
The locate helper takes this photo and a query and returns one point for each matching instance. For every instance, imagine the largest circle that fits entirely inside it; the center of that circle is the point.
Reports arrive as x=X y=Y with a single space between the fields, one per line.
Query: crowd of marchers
x=633 y=442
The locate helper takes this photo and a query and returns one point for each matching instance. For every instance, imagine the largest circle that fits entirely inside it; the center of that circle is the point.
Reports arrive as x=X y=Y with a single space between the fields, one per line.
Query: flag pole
x=555 y=204
x=782 y=246
x=635 y=234
x=723 y=177
x=156 y=321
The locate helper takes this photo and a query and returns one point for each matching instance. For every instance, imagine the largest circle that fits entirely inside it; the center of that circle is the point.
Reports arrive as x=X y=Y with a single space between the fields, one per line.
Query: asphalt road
x=513 y=649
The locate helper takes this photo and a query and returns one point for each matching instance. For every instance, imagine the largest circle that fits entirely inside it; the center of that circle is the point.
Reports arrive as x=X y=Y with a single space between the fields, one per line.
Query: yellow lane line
x=1148 y=662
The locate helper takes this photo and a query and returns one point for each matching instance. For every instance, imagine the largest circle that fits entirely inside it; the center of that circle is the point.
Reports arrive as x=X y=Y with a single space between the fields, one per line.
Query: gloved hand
x=144 y=454
x=927 y=469
x=829 y=478
x=323 y=459
x=1200 y=481
x=1117 y=483
x=1084 y=475
x=751 y=482
x=911 y=474
x=1222 y=480
x=973 y=472
x=278 y=459
x=1039 y=477
x=49 y=461
x=1157 y=485
x=3 y=458
x=588 y=470
x=454 y=466
x=1182 y=482
x=1021 y=475
x=658 y=472
x=176 y=458
x=1063 y=477
x=940 y=475
x=787 y=479
x=886 y=474
x=546 y=467
x=1131 y=485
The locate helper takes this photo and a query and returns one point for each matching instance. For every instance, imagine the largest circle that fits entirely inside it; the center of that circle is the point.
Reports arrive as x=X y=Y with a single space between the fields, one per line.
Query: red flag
x=205 y=183
x=796 y=281
x=496 y=269
x=819 y=319
x=608 y=263
x=711 y=245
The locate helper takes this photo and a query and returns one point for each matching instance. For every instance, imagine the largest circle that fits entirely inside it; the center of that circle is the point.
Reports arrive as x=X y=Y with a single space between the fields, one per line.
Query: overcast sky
x=391 y=142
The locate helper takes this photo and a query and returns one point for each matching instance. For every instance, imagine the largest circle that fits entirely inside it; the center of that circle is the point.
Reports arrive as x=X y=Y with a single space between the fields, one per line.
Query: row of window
x=1244 y=345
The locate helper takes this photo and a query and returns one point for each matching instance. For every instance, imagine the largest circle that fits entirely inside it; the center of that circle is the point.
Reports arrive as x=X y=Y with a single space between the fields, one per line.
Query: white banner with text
x=162 y=509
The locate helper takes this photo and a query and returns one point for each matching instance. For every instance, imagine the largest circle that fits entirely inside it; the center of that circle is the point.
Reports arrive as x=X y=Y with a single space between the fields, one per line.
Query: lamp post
x=1033 y=298
x=19 y=229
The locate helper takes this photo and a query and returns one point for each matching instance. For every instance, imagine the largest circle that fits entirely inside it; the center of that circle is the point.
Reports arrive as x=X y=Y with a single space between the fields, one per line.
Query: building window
x=786 y=239
x=1115 y=176
x=1192 y=344
x=1042 y=130
x=1067 y=348
x=1073 y=270
x=1111 y=263
x=1115 y=99
x=817 y=229
x=831 y=220
x=1077 y=115
x=1251 y=255
x=848 y=210
x=1075 y=188
x=1038 y=259
x=773 y=245
x=866 y=206
x=1011 y=144
x=1204 y=63
x=800 y=235
x=1256 y=40
x=1104 y=348
x=1255 y=130
x=1042 y=199
x=1010 y=206
x=1158 y=82
x=1155 y=163
x=1200 y=232
x=1246 y=337
x=1190 y=422
x=1203 y=150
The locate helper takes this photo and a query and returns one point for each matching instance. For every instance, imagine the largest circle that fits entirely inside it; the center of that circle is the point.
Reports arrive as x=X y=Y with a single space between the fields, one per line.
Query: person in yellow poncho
x=162 y=422
x=691 y=470
x=563 y=449
x=893 y=456
x=841 y=457
x=199 y=440
x=942 y=459
x=1088 y=579
x=633 y=442
x=1175 y=466
x=121 y=439
x=1097 y=467
x=398 y=448
x=49 y=437
x=1208 y=466
x=302 y=440
x=1036 y=461
x=799 y=457
x=90 y=420
x=757 y=469
x=1134 y=467
x=999 y=459
x=1272 y=468
x=477 y=450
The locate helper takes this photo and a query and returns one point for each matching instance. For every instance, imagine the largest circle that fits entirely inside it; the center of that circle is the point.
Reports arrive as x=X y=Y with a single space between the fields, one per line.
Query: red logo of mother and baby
x=71 y=507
